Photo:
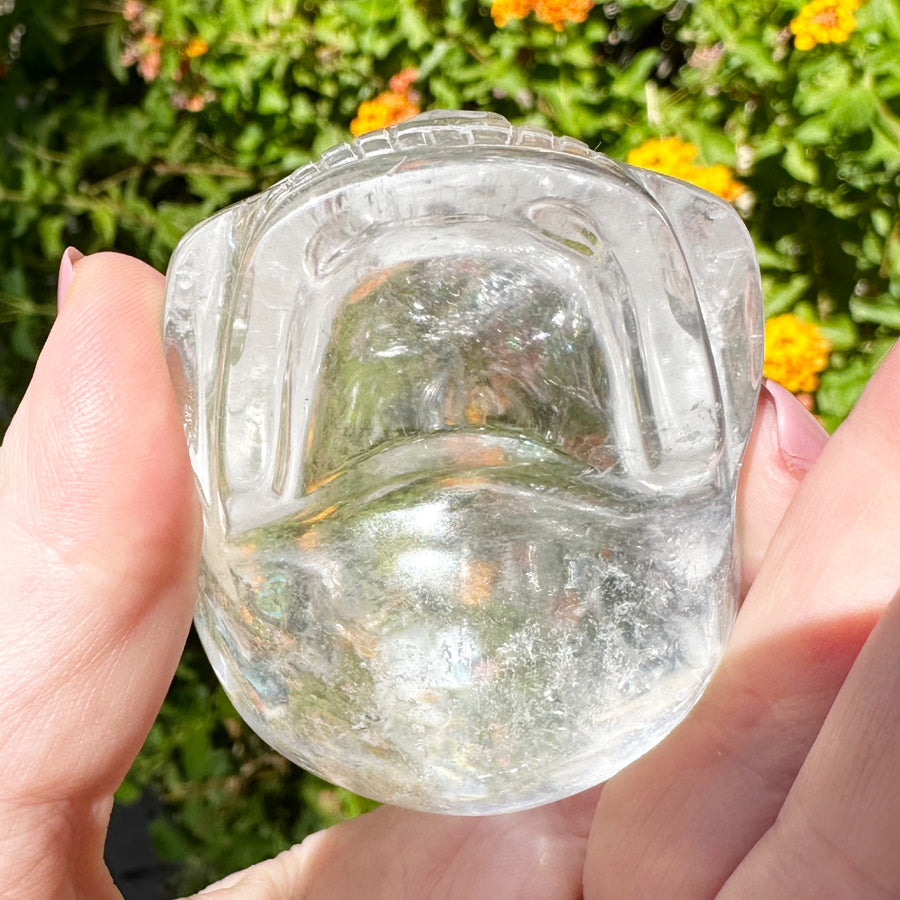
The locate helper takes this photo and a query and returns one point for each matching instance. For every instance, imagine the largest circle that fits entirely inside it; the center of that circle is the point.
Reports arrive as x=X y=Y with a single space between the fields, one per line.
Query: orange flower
x=675 y=157
x=402 y=82
x=559 y=13
x=195 y=47
x=796 y=352
x=504 y=11
x=388 y=108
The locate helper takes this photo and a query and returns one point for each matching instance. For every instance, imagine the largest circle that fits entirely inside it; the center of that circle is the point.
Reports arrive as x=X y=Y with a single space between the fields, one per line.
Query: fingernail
x=800 y=436
x=66 y=273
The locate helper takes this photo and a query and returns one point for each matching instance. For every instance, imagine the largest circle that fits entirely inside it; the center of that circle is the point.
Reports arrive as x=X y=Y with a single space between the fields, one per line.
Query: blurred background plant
x=125 y=123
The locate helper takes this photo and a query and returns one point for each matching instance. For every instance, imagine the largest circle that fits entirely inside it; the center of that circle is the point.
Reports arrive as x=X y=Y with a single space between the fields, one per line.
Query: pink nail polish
x=66 y=272
x=800 y=436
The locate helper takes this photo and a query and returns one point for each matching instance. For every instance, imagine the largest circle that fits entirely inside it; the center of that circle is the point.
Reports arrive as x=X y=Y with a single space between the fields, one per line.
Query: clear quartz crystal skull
x=466 y=405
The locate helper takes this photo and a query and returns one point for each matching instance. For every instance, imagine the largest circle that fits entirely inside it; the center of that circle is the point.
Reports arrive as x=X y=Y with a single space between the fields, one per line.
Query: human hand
x=97 y=601
x=781 y=783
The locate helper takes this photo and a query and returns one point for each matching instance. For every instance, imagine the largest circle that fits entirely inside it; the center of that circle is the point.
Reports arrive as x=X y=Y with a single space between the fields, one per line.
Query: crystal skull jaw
x=470 y=631
x=491 y=600
x=471 y=684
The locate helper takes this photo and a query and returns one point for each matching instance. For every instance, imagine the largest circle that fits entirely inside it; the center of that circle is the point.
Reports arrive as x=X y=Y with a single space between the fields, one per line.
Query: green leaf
x=170 y=842
x=414 y=26
x=128 y=793
x=631 y=82
x=23 y=342
x=112 y=46
x=840 y=389
x=272 y=99
x=840 y=331
x=103 y=218
x=714 y=145
x=852 y=110
x=757 y=58
x=884 y=311
x=578 y=54
x=884 y=151
x=872 y=247
x=821 y=83
x=881 y=14
x=890 y=263
x=781 y=296
x=882 y=221
x=50 y=229
x=798 y=164
x=302 y=109
x=816 y=131
x=771 y=258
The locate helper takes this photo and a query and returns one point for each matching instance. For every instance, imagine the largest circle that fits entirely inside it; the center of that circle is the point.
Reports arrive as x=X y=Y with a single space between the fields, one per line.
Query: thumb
x=99 y=541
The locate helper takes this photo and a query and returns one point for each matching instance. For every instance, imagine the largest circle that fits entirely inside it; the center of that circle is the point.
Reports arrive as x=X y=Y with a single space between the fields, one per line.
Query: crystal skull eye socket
x=465 y=404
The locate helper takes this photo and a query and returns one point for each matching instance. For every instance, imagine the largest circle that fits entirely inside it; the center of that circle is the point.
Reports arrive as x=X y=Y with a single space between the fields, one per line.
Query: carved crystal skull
x=466 y=404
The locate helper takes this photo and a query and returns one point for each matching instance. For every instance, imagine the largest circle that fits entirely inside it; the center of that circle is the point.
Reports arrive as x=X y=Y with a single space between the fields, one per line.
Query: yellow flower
x=675 y=157
x=388 y=108
x=796 y=352
x=717 y=180
x=824 y=22
x=559 y=13
x=671 y=156
x=195 y=47
x=503 y=11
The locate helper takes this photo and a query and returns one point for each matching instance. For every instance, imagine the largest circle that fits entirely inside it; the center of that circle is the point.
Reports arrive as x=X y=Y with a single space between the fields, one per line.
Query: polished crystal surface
x=466 y=405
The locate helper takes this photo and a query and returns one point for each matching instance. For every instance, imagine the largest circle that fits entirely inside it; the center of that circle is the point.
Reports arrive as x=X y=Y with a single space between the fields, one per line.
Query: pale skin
x=784 y=782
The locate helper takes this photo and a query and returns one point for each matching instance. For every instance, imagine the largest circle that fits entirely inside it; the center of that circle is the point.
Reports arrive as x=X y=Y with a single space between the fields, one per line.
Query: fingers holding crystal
x=836 y=551
x=396 y=854
x=836 y=834
x=785 y=442
x=698 y=803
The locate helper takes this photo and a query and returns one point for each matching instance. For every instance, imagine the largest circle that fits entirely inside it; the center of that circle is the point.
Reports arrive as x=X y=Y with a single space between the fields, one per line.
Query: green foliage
x=98 y=156
x=820 y=134
x=122 y=132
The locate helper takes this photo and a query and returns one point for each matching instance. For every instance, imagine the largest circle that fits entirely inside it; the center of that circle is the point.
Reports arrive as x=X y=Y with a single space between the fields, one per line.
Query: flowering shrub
x=143 y=48
x=126 y=127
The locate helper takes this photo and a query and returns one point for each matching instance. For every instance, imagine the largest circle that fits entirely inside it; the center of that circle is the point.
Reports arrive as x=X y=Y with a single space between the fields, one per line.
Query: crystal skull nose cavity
x=465 y=404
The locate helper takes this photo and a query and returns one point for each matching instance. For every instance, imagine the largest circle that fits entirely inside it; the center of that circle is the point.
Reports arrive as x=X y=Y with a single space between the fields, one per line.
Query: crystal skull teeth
x=465 y=404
